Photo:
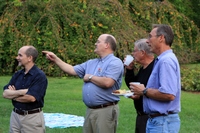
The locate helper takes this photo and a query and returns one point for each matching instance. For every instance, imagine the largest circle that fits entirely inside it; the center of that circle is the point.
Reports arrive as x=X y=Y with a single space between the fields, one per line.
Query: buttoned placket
x=97 y=71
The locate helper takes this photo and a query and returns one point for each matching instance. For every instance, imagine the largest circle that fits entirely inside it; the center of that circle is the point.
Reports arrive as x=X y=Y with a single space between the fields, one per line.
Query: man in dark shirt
x=27 y=89
x=145 y=58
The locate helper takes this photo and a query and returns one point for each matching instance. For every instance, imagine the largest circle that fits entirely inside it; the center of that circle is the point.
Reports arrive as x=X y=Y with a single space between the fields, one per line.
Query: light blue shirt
x=109 y=66
x=166 y=78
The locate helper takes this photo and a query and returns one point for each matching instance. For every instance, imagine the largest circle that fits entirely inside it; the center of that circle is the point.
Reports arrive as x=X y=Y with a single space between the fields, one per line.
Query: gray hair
x=143 y=45
x=166 y=31
x=32 y=51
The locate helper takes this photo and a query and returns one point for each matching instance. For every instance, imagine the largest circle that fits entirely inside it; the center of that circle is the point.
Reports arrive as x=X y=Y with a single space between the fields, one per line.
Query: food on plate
x=120 y=91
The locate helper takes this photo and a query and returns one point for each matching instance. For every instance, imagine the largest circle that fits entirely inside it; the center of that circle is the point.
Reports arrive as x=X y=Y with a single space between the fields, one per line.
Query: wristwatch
x=145 y=92
x=90 y=77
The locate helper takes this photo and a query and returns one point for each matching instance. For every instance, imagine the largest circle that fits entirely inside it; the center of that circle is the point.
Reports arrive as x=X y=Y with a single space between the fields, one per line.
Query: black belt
x=103 y=105
x=158 y=114
x=26 y=112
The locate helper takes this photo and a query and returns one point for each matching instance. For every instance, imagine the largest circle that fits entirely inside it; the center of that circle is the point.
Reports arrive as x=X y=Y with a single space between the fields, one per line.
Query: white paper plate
x=127 y=94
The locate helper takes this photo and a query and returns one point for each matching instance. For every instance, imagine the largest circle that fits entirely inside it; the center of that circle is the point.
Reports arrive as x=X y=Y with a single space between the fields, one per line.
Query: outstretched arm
x=69 y=69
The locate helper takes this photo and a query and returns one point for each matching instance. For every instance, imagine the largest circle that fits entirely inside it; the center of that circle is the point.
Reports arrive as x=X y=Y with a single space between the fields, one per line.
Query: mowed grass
x=64 y=95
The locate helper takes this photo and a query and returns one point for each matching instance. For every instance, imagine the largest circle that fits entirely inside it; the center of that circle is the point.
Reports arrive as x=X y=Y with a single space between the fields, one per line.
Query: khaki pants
x=103 y=120
x=31 y=123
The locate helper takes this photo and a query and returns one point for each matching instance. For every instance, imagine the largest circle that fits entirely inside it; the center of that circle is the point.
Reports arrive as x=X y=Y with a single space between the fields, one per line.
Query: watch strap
x=145 y=92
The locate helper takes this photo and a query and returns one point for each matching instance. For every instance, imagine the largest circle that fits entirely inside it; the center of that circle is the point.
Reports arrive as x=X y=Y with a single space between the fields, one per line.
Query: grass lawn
x=64 y=95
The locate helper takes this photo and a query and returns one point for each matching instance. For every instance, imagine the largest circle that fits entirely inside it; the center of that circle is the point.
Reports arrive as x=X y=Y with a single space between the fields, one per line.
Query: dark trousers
x=141 y=121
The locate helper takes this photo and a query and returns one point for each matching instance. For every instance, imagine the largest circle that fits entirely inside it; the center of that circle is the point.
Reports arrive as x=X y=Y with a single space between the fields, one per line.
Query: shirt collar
x=106 y=57
x=164 y=53
x=31 y=71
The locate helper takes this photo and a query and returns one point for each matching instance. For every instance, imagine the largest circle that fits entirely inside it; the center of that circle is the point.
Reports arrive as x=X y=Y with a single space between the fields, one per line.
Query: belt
x=24 y=112
x=141 y=113
x=103 y=105
x=158 y=114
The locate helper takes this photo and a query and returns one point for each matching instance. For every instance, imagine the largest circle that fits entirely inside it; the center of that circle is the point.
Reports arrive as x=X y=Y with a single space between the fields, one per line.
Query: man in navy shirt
x=101 y=77
x=27 y=89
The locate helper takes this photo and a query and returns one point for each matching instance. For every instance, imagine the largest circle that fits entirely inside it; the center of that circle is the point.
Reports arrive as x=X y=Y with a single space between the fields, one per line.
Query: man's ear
x=107 y=45
x=30 y=58
x=161 y=38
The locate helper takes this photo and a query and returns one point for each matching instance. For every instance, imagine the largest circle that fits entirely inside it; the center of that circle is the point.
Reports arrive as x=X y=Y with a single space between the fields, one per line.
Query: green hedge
x=70 y=29
x=190 y=75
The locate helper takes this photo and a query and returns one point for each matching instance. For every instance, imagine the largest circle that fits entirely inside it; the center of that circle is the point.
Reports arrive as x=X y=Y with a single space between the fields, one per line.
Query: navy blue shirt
x=36 y=83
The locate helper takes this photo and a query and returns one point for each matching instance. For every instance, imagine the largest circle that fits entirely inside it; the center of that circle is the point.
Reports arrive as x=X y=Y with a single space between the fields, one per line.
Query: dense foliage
x=190 y=8
x=70 y=28
x=190 y=75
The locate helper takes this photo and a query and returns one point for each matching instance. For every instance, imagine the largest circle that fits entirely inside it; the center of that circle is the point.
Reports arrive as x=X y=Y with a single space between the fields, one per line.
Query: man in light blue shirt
x=163 y=91
x=101 y=77
x=93 y=94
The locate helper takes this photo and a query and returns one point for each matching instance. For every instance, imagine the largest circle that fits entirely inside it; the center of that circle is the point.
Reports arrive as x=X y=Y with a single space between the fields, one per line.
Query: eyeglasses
x=98 y=42
x=134 y=51
x=150 y=36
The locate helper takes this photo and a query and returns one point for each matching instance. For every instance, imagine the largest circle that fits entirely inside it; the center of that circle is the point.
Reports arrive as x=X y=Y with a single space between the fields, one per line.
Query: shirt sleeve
x=114 y=69
x=11 y=82
x=38 y=87
x=168 y=77
x=129 y=77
